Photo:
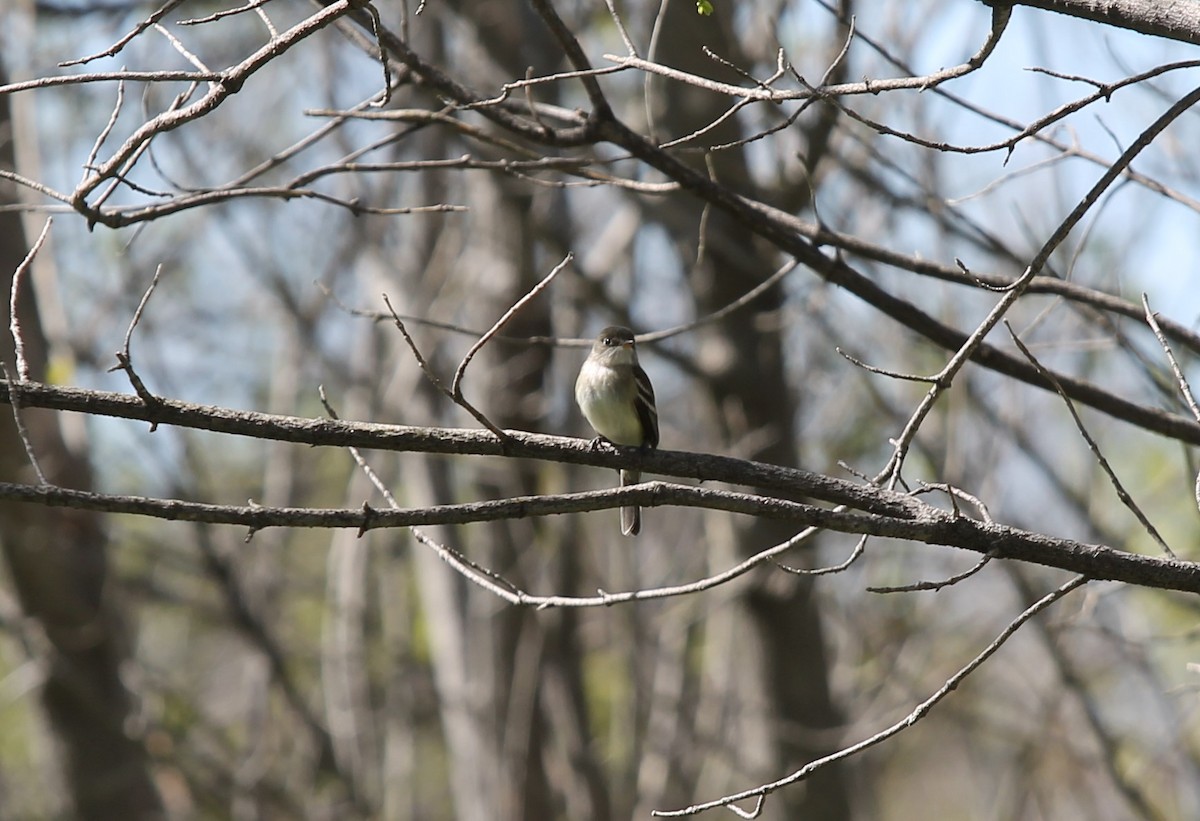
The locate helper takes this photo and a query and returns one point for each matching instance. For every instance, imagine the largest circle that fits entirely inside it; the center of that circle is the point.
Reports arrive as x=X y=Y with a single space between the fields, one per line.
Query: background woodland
x=298 y=515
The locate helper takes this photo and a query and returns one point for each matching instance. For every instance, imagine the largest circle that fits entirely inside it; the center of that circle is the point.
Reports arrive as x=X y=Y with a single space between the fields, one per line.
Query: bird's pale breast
x=609 y=410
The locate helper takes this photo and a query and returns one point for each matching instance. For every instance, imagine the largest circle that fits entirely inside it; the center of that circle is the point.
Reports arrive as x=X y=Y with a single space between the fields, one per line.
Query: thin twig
x=1183 y=383
x=938 y=585
x=116 y=47
x=859 y=548
x=376 y=26
x=125 y=358
x=1152 y=321
x=841 y=55
x=219 y=15
x=456 y=385
x=266 y=21
x=412 y=346
x=912 y=718
x=612 y=11
x=14 y=321
x=908 y=377
x=436 y=381
x=183 y=50
x=1122 y=493
x=725 y=310
x=90 y=163
x=22 y=433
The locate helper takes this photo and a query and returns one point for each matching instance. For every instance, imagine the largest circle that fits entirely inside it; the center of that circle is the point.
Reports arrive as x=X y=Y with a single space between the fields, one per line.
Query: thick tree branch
x=374 y=436
x=886 y=513
x=931 y=525
x=1173 y=19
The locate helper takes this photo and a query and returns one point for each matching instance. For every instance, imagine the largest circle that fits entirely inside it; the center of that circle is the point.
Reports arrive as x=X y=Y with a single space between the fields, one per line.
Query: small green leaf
x=704 y=7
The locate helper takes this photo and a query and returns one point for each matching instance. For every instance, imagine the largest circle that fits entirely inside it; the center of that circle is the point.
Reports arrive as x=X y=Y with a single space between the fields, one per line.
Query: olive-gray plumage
x=617 y=399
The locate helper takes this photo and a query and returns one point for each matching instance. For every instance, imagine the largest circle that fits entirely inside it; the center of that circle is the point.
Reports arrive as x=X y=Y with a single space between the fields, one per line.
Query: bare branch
x=437 y=383
x=456 y=385
x=1000 y=16
x=1122 y=493
x=1184 y=388
x=116 y=47
x=14 y=316
x=896 y=515
x=956 y=362
x=228 y=83
x=1176 y=21
x=125 y=358
x=912 y=718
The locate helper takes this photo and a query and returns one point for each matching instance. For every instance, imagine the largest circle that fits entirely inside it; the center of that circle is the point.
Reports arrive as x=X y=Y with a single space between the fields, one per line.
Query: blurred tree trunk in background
x=301 y=672
x=511 y=681
x=58 y=567
x=749 y=387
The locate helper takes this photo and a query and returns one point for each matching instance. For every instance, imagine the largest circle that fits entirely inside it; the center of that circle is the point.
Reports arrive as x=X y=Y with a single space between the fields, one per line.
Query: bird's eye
x=610 y=341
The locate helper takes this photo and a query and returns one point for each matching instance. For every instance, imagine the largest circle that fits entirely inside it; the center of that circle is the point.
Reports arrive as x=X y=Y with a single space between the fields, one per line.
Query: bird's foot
x=601 y=444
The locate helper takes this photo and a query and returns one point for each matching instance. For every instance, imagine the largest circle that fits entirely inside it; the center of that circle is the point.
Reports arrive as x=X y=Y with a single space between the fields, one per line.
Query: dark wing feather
x=647 y=411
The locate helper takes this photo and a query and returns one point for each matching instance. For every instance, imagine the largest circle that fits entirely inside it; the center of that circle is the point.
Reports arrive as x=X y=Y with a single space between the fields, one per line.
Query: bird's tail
x=631 y=517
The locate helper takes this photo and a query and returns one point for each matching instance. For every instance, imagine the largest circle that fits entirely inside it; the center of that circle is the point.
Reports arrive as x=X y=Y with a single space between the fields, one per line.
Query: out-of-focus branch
x=229 y=82
x=1000 y=15
x=759 y=793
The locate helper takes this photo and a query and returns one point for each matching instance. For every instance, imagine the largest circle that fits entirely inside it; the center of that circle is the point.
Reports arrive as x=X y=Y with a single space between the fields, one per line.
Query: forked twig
x=125 y=358
x=456 y=385
x=436 y=381
x=454 y=392
x=891 y=470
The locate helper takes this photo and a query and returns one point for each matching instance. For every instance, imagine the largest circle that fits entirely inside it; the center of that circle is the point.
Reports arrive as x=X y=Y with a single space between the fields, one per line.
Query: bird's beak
x=627 y=346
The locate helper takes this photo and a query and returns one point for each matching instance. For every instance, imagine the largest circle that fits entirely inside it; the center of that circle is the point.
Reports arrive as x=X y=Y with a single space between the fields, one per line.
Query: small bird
x=615 y=396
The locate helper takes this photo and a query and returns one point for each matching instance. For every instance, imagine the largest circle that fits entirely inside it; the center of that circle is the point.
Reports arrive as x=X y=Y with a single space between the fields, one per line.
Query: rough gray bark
x=1174 y=19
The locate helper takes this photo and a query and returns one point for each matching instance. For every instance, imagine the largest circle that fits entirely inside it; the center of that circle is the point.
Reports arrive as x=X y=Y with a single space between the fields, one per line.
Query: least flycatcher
x=615 y=396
